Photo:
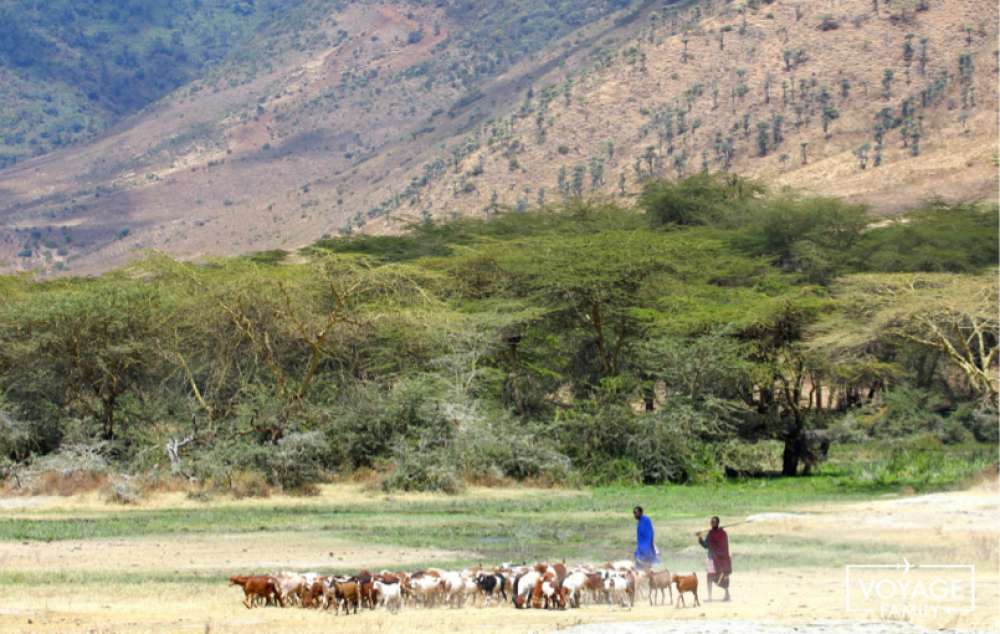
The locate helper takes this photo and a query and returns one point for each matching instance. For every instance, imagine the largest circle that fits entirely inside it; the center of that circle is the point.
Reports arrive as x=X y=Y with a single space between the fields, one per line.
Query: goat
x=315 y=594
x=687 y=583
x=391 y=595
x=488 y=584
x=524 y=585
x=348 y=592
x=257 y=587
x=660 y=583
x=616 y=585
x=366 y=591
x=573 y=586
x=290 y=587
x=549 y=589
x=426 y=588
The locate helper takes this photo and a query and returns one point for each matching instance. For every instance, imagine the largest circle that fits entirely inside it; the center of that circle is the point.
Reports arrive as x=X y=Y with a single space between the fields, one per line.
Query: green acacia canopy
x=955 y=315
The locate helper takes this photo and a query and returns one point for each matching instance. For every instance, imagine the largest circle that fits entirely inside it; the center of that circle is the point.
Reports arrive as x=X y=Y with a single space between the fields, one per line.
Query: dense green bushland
x=720 y=330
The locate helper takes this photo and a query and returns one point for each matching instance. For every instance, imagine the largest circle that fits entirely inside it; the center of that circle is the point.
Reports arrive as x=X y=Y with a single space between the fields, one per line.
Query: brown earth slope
x=622 y=120
x=342 y=128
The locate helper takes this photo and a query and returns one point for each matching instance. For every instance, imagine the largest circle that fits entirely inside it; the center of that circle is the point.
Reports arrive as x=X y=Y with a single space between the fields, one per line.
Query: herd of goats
x=548 y=586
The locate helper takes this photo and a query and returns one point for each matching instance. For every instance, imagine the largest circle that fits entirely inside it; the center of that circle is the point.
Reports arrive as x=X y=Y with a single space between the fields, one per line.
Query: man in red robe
x=719 y=565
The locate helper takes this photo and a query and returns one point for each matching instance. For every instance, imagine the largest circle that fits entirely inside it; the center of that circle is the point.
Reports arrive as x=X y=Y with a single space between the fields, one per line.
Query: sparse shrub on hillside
x=887 y=76
x=965 y=74
x=763 y=136
x=576 y=187
x=829 y=114
x=680 y=163
x=861 y=153
x=828 y=23
x=923 y=58
x=563 y=182
x=794 y=58
x=908 y=50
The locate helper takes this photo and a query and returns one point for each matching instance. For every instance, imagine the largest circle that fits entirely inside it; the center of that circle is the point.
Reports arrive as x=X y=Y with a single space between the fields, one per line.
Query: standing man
x=718 y=565
x=646 y=553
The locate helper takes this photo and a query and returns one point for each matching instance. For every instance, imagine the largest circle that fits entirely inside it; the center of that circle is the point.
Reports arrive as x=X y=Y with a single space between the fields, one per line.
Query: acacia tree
x=87 y=344
x=949 y=314
x=254 y=330
x=776 y=343
x=592 y=284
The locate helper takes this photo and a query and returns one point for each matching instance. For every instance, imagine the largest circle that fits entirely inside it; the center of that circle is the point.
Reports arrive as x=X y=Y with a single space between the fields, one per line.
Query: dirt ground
x=958 y=528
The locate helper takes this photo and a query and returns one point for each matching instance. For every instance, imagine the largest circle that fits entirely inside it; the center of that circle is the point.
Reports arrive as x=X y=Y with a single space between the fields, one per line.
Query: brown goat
x=595 y=583
x=554 y=598
x=366 y=590
x=350 y=593
x=257 y=588
x=686 y=583
x=314 y=595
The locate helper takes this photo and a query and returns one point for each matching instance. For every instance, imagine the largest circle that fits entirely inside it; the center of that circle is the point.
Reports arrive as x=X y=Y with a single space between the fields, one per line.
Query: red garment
x=718 y=548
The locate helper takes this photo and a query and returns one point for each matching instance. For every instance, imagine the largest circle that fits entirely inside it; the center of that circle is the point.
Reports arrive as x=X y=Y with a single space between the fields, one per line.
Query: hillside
x=787 y=93
x=342 y=117
x=71 y=68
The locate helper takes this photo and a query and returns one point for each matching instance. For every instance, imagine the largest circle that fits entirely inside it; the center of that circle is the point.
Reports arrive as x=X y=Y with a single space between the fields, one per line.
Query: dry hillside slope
x=648 y=108
x=352 y=123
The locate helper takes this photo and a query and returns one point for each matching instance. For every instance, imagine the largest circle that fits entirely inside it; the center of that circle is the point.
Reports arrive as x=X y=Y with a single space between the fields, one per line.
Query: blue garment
x=644 y=551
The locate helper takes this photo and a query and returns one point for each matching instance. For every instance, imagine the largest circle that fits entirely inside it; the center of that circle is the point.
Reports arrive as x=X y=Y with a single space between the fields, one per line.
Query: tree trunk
x=794 y=448
x=598 y=327
x=790 y=457
x=649 y=398
x=108 y=418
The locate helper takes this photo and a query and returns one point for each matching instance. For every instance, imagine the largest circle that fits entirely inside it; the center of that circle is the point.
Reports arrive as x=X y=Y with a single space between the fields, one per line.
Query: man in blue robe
x=646 y=553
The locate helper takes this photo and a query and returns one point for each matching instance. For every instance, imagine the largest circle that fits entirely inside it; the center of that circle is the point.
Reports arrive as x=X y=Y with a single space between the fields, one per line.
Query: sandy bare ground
x=254 y=551
x=955 y=528
x=750 y=627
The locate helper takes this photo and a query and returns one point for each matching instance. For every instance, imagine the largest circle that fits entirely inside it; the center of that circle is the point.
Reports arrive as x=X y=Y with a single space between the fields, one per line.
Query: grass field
x=79 y=564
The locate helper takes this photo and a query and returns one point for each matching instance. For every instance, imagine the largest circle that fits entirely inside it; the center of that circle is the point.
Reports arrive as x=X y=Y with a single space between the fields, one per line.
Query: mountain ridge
x=356 y=133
